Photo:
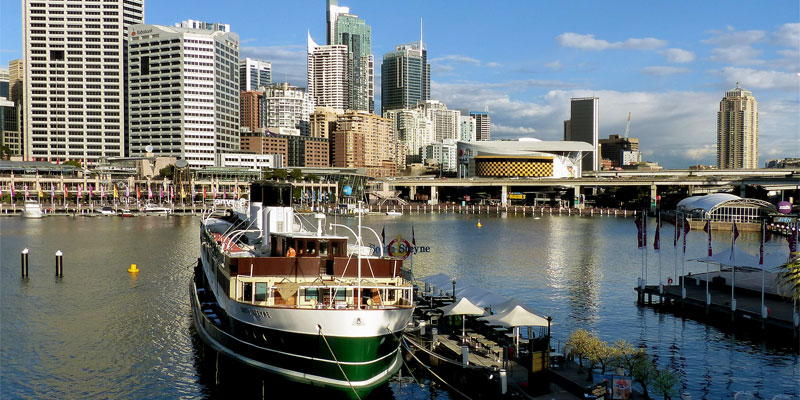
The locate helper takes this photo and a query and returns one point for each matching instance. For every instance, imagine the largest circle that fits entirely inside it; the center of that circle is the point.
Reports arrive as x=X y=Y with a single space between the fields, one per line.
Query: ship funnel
x=271 y=209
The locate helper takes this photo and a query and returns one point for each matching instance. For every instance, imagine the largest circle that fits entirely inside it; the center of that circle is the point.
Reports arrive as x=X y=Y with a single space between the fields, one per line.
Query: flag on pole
x=12 y=193
x=116 y=194
x=707 y=229
x=204 y=192
x=761 y=249
x=127 y=191
x=1 y=191
x=383 y=234
x=735 y=234
x=638 y=222
x=183 y=193
x=52 y=192
x=677 y=230
x=224 y=194
x=26 y=191
x=91 y=191
x=149 y=192
x=66 y=191
x=792 y=238
x=138 y=193
x=194 y=193
x=213 y=192
x=160 y=193
x=657 y=240
x=102 y=192
x=686 y=229
x=80 y=192
x=413 y=239
x=39 y=189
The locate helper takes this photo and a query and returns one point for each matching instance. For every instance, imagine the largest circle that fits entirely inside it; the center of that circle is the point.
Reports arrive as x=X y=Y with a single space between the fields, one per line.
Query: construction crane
x=628 y=126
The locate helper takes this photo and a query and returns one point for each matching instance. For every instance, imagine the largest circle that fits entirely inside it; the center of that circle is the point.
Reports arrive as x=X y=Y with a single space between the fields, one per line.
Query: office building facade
x=737 y=130
x=254 y=73
x=354 y=33
x=184 y=92
x=468 y=128
x=286 y=106
x=620 y=150
x=249 y=110
x=322 y=122
x=364 y=140
x=328 y=77
x=405 y=77
x=75 y=82
x=413 y=130
x=483 y=125
x=583 y=126
x=446 y=123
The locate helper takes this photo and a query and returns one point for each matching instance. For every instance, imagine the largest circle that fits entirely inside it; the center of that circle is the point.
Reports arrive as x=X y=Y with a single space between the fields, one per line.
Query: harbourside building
x=583 y=126
x=252 y=161
x=204 y=26
x=9 y=126
x=322 y=122
x=521 y=158
x=75 y=78
x=737 y=130
x=286 y=106
x=249 y=110
x=295 y=150
x=4 y=83
x=328 y=77
x=184 y=92
x=483 y=125
x=444 y=154
x=405 y=77
x=446 y=123
x=254 y=73
x=467 y=132
x=16 y=91
x=364 y=140
x=413 y=131
x=620 y=150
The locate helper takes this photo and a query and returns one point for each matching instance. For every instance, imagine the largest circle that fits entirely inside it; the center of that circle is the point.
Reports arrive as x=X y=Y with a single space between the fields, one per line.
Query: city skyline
x=669 y=65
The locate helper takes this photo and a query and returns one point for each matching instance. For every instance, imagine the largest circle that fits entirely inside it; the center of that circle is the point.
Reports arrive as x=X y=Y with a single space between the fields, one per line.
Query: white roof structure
x=526 y=147
x=463 y=307
x=517 y=316
x=711 y=202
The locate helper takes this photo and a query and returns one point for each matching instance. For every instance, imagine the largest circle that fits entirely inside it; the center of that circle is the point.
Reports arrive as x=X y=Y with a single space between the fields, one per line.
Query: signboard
x=516 y=196
x=784 y=207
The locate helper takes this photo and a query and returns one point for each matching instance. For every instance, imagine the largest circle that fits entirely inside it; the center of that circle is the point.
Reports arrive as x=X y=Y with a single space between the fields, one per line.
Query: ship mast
x=358 y=244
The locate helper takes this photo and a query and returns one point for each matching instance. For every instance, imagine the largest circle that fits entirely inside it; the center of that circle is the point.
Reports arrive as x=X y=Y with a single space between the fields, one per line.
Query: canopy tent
x=516 y=317
x=462 y=307
x=441 y=281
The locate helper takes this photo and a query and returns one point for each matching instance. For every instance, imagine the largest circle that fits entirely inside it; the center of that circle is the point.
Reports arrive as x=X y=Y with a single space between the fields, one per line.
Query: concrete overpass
x=697 y=181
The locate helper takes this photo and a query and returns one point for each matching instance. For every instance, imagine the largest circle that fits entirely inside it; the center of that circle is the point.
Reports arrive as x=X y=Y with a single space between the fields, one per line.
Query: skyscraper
x=286 y=106
x=184 y=92
x=737 y=130
x=202 y=25
x=75 y=77
x=583 y=127
x=413 y=130
x=446 y=123
x=405 y=77
x=354 y=33
x=483 y=125
x=253 y=74
x=332 y=11
x=328 y=77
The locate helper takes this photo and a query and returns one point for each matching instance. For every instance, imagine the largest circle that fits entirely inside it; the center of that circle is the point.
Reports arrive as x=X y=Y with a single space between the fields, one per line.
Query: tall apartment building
x=16 y=90
x=184 y=92
x=328 y=77
x=413 y=130
x=615 y=147
x=254 y=73
x=16 y=81
x=332 y=12
x=250 y=110
x=4 y=84
x=405 y=77
x=9 y=126
x=446 y=123
x=322 y=122
x=354 y=33
x=74 y=95
x=737 y=130
x=483 y=125
x=583 y=126
x=286 y=106
x=298 y=151
x=364 y=140
x=468 y=129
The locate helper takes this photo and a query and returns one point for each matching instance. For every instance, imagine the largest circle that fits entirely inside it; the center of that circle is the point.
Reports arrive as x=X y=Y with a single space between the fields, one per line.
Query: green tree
x=280 y=174
x=298 y=193
x=664 y=382
x=72 y=163
x=579 y=343
x=789 y=274
x=297 y=174
x=167 y=172
x=643 y=371
x=312 y=178
x=266 y=174
x=626 y=354
x=5 y=152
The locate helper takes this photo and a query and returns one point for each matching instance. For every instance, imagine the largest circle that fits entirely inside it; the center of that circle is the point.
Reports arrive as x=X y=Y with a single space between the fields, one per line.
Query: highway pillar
x=412 y=193
x=653 y=196
x=576 y=197
x=434 y=195
x=504 y=195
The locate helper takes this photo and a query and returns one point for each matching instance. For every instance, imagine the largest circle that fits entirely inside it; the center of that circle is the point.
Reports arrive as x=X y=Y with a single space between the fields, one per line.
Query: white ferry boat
x=296 y=302
x=155 y=209
x=32 y=209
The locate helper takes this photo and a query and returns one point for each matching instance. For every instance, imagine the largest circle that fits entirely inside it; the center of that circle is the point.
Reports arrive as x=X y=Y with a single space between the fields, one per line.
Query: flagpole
x=733 y=266
x=658 y=237
x=761 y=264
x=675 y=245
x=644 y=236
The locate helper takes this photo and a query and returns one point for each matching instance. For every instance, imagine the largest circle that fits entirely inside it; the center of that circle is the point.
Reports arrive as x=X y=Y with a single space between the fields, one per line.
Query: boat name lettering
x=256 y=313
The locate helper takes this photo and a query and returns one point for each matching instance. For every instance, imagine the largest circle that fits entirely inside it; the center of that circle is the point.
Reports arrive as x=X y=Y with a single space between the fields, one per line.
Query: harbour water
x=102 y=332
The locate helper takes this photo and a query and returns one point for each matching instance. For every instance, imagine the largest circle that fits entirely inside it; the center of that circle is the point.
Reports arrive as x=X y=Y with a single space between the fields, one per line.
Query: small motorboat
x=394 y=213
x=155 y=209
x=32 y=209
x=125 y=213
x=106 y=210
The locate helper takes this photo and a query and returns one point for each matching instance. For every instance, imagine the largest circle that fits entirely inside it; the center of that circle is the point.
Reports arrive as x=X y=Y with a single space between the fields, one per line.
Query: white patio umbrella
x=462 y=307
x=516 y=317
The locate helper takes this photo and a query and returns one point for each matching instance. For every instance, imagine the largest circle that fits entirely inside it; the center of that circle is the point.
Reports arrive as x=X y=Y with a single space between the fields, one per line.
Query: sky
x=667 y=63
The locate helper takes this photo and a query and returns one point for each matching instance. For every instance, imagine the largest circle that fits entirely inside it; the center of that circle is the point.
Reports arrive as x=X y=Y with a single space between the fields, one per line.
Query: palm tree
x=790 y=275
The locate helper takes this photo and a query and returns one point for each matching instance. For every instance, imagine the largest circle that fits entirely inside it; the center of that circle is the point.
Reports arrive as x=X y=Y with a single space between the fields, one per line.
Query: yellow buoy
x=479 y=224
x=133 y=269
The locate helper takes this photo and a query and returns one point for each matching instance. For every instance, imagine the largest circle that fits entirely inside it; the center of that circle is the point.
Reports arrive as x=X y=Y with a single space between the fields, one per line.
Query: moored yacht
x=299 y=303
x=32 y=209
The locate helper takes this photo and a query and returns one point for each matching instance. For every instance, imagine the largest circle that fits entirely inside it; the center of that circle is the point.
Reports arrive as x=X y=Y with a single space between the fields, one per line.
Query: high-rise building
x=286 y=106
x=249 y=110
x=16 y=81
x=4 y=83
x=737 y=130
x=322 y=122
x=617 y=149
x=254 y=73
x=75 y=77
x=405 y=77
x=413 y=130
x=364 y=140
x=446 y=123
x=444 y=153
x=354 y=33
x=328 y=77
x=332 y=12
x=204 y=26
x=583 y=127
x=297 y=151
x=9 y=126
x=16 y=90
x=483 y=125
x=184 y=92
x=467 y=132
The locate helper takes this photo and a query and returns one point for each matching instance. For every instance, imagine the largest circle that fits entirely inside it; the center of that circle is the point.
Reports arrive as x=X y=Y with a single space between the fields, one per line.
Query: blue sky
x=668 y=63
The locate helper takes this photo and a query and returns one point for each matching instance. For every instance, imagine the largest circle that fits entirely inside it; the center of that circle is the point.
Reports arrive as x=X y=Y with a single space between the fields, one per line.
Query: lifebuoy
x=291 y=252
x=669 y=281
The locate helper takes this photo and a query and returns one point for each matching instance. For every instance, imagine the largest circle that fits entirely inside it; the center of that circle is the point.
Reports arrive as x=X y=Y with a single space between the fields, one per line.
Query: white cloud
x=288 y=61
x=506 y=131
x=555 y=65
x=788 y=35
x=760 y=79
x=664 y=70
x=736 y=55
x=735 y=47
x=588 y=42
x=732 y=37
x=705 y=151
x=457 y=59
x=678 y=56
x=493 y=64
